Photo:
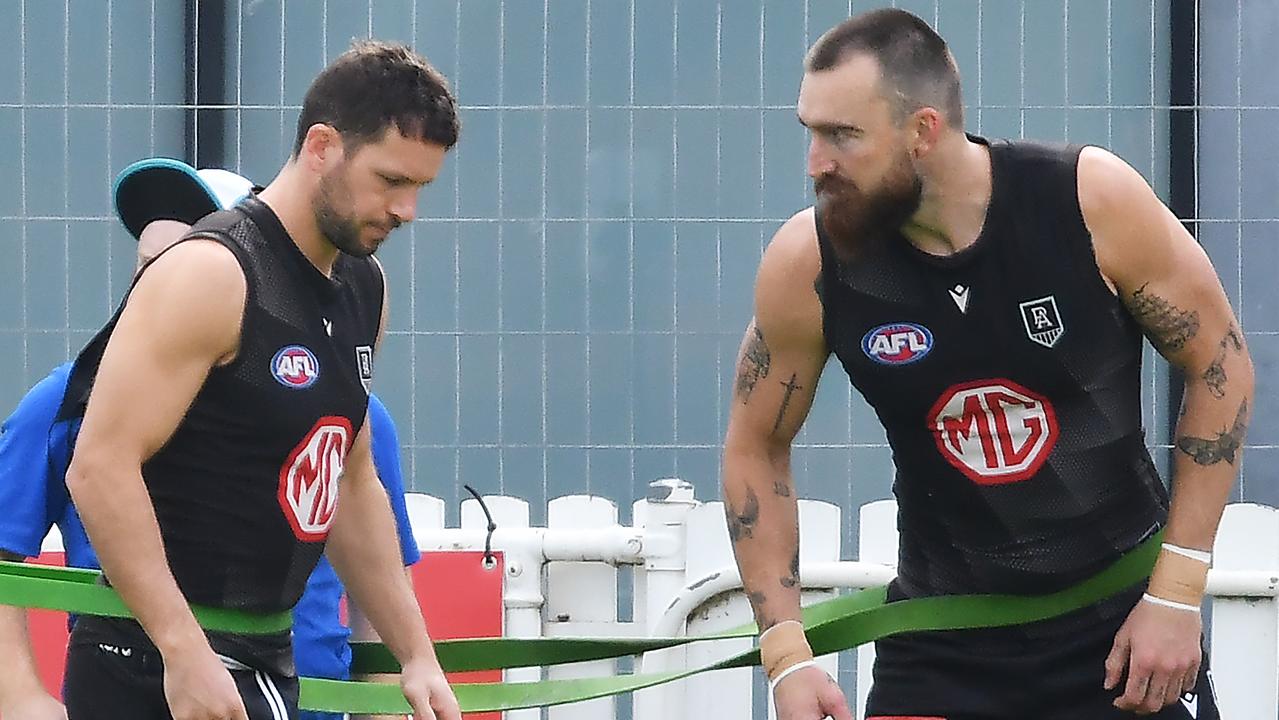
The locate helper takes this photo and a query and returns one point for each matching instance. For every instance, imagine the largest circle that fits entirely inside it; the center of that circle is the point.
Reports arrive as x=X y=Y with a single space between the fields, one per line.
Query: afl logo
x=897 y=343
x=296 y=367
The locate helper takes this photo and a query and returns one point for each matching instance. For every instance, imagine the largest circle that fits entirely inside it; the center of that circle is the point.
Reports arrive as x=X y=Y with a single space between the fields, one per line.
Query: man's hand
x=810 y=694
x=37 y=705
x=428 y=691
x=197 y=686
x=1160 y=649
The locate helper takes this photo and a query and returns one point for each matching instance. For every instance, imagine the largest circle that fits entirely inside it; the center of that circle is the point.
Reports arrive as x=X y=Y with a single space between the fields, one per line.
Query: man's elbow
x=89 y=470
x=742 y=451
x=79 y=478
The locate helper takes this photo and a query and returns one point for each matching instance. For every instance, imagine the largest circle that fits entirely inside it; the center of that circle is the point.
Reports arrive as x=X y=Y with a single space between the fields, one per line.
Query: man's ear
x=924 y=130
x=321 y=148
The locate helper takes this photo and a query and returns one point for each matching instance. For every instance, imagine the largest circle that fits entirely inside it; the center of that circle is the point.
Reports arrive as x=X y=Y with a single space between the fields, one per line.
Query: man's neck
x=957 y=181
x=290 y=201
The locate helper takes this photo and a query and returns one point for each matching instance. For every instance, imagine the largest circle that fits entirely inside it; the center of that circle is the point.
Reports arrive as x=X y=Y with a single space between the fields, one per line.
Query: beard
x=859 y=223
x=342 y=229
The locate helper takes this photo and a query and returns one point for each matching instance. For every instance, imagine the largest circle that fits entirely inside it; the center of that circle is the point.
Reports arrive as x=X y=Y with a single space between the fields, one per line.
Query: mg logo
x=994 y=431
x=308 y=492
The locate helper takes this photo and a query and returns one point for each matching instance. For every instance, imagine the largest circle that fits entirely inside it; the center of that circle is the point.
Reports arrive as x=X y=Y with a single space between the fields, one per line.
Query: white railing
x=562 y=580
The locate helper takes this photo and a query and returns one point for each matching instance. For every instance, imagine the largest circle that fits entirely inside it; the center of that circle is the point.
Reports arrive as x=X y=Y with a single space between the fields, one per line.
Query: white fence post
x=1245 y=630
x=426 y=513
x=581 y=601
x=657 y=581
x=522 y=593
x=725 y=693
x=876 y=543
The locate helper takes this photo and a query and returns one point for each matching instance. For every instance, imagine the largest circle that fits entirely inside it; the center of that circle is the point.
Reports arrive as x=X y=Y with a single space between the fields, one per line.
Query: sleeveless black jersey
x=245 y=489
x=1007 y=378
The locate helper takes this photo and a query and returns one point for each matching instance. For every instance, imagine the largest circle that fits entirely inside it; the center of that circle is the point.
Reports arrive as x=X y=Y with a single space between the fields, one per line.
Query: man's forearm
x=362 y=630
x=1209 y=447
x=363 y=549
x=117 y=513
x=20 y=678
x=762 y=514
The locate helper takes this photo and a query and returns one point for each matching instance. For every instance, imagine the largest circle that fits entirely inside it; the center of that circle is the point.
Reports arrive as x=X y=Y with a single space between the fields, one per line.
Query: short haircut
x=916 y=67
x=375 y=85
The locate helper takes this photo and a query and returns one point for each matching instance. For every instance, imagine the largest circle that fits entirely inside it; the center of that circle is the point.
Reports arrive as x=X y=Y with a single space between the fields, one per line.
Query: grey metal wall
x=566 y=312
x=1238 y=202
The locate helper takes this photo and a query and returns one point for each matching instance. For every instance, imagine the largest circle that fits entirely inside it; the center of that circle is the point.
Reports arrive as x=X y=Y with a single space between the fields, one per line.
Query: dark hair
x=375 y=85
x=915 y=65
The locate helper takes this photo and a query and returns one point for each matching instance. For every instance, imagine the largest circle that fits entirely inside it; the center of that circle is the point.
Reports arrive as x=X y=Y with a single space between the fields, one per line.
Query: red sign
x=462 y=599
x=49 y=632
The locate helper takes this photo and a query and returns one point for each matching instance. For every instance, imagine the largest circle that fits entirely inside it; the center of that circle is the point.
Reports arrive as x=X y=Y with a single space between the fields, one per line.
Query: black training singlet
x=245 y=489
x=1007 y=378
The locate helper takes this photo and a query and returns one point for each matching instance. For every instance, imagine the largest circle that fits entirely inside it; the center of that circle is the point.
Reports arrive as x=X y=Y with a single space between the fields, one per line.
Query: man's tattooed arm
x=1225 y=446
x=792 y=580
x=1168 y=326
x=1215 y=375
x=762 y=617
x=791 y=387
x=753 y=365
x=742 y=524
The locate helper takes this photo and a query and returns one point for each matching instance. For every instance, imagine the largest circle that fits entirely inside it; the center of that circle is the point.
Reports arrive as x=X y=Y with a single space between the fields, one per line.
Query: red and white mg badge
x=308 y=490
x=994 y=431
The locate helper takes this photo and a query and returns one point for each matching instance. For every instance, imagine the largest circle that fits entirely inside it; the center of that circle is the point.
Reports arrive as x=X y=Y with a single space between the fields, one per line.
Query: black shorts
x=109 y=677
x=1009 y=673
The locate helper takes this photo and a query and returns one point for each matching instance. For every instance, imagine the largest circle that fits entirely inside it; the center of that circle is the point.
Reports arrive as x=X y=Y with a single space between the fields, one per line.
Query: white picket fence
x=562 y=580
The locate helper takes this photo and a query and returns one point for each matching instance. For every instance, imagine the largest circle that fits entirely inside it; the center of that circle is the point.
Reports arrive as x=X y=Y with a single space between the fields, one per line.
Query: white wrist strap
x=1202 y=556
x=1169 y=603
x=772 y=685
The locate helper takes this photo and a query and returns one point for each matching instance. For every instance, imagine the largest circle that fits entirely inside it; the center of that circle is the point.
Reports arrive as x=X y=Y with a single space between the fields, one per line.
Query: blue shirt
x=35 y=452
x=320 y=642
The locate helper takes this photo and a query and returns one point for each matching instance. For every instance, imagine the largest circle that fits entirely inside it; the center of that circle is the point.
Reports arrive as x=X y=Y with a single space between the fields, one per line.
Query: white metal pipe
x=523 y=600
x=853 y=574
x=618 y=545
x=846 y=574
x=1243 y=583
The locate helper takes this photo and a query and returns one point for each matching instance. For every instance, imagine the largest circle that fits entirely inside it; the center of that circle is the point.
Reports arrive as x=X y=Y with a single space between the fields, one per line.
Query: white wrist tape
x=772 y=685
x=1202 y=556
x=1170 y=603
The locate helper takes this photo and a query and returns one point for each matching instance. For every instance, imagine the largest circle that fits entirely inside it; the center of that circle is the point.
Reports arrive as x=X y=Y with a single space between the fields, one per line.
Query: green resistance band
x=81 y=591
x=838 y=624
